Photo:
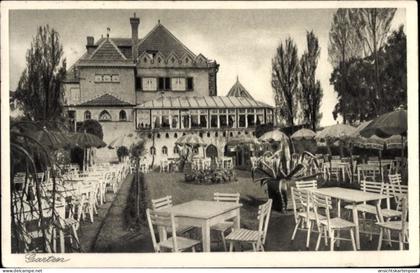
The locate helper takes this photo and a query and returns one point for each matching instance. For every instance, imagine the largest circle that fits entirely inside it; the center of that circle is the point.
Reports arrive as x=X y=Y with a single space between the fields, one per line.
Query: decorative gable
x=107 y=51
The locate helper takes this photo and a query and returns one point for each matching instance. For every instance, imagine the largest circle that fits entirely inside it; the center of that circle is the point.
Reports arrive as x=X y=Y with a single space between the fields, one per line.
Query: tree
x=39 y=92
x=343 y=41
x=394 y=73
x=285 y=73
x=343 y=46
x=311 y=91
x=93 y=127
x=373 y=29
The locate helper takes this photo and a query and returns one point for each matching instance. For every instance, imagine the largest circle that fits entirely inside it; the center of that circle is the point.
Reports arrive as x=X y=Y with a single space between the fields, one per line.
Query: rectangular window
x=194 y=119
x=98 y=78
x=222 y=118
x=167 y=83
x=232 y=118
x=260 y=117
x=203 y=118
x=269 y=116
x=138 y=83
x=174 y=119
x=165 y=119
x=185 y=117
x=149 y=84
x=214 y=119
x=190 y=84
x=107 y=78
x=164 y=84
x=178 y=84
x=251 y=117
x=115 y=78
x=156 y=118
x=143 y=119
x=242 y=118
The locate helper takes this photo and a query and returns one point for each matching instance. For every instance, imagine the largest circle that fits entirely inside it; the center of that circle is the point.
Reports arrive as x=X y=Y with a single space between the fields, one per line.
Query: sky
x=242 y=41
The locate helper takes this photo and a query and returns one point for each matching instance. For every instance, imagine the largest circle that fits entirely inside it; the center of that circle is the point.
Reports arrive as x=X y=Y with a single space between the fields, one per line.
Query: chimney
x=134 y=21
x=90 y=44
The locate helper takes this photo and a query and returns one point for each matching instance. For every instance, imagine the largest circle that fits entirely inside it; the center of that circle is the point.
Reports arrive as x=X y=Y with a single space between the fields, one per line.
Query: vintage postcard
x=209 y=134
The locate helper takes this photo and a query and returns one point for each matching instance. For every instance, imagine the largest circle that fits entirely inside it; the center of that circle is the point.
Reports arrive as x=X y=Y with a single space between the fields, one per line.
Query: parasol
x=86 y=140
x=52 y=139
x=125 y=140
x=275 y=135
x=387 y=125
x=336 y=132
x=243 y=139
x=190 y=139
x=303 y=134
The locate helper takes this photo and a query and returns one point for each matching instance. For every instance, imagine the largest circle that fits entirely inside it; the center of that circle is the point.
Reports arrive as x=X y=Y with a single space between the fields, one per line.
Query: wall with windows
x=201 y=118
x=98 y=113
x=162 y=146
x=150 y=82
x=96 y=81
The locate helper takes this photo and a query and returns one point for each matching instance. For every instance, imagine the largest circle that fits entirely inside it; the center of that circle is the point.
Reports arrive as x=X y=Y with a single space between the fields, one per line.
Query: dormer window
x=145 y=60
x=186 y=60
x=159 y=60
x=172 y=59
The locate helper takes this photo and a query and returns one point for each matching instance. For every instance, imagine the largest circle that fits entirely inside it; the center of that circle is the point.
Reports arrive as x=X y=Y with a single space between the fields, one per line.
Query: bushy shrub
x=122 y=152
x=207 y=177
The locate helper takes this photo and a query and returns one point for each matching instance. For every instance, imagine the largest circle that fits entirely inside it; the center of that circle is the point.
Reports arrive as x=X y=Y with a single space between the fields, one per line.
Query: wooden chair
x=365 y=208
x=167 y=221
x=328 y=224
x=224 y=226
x=304 y=213
x=308 y=184
x=400 y=226
x=397 y=189
x=254 y=237
x=166 y=202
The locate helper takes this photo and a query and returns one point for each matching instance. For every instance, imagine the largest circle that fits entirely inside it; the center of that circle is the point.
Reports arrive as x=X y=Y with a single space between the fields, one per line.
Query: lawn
x=281 y=224
x=162 y=184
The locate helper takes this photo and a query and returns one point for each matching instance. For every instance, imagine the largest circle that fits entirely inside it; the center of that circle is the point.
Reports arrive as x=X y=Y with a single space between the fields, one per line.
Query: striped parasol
x=243 y=139
x=375 y=142
x=275 y=135
x=336 y=132
x=125 y=140
x=303 y=134
x=86 y=140
x=190 y=139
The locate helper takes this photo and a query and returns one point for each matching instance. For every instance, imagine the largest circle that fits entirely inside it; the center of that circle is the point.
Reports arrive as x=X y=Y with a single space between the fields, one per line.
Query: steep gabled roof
x=160 y=39
x=238 y=90
x=105 y=100
x=107 y=51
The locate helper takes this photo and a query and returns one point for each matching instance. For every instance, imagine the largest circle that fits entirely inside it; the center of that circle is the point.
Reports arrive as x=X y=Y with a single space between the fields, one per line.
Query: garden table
x=354 y=197
x=204 y=214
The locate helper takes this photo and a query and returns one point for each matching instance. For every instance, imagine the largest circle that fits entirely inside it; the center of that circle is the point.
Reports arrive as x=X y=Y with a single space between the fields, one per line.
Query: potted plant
x=279 y=170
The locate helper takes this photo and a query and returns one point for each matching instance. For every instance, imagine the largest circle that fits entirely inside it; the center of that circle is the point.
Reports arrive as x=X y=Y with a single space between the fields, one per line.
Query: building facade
x=156 y=87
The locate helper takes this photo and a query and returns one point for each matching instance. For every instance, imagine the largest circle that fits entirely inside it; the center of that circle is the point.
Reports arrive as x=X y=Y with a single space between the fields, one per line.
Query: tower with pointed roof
x=238 y=90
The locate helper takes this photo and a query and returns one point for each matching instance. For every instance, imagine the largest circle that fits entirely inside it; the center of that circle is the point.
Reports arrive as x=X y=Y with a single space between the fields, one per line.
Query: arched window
x=104 y=116
x=176 y=149
x=123 y=115
x=87 y=115
x=167 y=135
x=164 y=150
x=195 y=150
x=175 y=135
x=152 y=150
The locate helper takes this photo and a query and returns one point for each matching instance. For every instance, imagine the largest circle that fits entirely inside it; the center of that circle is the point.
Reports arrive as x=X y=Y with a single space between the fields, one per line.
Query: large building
x=156 y=87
